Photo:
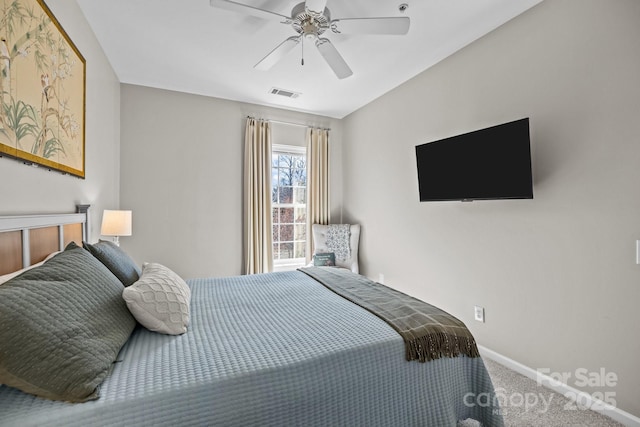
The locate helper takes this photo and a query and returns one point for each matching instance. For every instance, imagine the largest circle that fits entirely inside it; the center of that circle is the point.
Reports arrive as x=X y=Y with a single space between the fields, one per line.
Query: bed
x=277 y=349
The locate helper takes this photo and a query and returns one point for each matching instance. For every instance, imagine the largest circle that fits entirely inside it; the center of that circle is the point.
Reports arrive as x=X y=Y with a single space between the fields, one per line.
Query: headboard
x=28 y=239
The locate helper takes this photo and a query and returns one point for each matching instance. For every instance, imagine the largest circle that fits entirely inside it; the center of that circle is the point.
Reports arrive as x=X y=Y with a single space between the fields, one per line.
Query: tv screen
x=491 y=163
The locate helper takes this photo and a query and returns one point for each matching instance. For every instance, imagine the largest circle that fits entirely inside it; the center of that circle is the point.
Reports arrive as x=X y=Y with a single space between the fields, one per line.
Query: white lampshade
x=116 y=223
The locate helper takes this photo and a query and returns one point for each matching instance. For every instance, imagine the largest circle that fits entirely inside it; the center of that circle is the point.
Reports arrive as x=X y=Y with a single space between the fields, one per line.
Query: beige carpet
x=545 y=408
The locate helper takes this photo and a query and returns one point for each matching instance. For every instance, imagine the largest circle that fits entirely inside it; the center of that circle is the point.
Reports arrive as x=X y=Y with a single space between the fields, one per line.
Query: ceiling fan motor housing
x=309 y=25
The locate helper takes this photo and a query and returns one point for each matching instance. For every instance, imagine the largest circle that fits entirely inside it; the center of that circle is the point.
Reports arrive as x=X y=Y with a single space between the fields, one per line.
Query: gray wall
x=25 y=189
x=181 y=172
x=557 y=274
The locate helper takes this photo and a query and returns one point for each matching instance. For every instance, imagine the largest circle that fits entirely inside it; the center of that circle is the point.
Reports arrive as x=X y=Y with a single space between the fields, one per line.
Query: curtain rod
x=291 y=123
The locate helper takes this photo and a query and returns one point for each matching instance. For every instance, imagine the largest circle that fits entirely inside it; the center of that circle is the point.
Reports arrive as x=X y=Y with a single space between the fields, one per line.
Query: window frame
x=290 y=263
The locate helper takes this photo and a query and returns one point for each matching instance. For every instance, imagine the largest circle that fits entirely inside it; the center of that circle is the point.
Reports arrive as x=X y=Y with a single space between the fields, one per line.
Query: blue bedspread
x=276 y=349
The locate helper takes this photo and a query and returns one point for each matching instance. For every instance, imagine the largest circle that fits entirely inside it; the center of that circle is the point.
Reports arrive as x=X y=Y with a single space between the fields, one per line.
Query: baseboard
x=596 y=405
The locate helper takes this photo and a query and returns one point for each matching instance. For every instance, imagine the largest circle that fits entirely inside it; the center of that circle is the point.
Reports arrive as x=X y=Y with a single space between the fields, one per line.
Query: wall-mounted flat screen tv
x=486 y=164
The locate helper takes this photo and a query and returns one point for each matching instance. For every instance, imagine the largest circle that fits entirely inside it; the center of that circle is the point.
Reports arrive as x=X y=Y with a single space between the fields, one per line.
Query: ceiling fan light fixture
x=309 y=29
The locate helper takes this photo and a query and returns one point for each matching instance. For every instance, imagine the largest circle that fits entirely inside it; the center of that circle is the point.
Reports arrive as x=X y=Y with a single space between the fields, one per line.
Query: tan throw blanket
x=428 y=332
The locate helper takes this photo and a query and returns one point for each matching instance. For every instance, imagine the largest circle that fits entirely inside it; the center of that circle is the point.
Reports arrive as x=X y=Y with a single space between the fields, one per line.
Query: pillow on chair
x=323 y=244
x=324 y=259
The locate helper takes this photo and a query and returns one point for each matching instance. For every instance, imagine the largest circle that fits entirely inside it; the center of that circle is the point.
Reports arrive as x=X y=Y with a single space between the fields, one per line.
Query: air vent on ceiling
x=284 y=92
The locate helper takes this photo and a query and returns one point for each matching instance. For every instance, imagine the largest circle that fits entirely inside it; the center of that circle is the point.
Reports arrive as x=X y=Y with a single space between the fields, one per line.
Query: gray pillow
x=61 y=327
x=116 y=260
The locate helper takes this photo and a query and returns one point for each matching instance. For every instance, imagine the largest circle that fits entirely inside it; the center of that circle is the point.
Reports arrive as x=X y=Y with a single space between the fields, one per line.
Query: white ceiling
x=189 y=46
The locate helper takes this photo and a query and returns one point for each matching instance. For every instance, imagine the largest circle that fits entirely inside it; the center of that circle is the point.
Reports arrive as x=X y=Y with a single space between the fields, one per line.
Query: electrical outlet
x=381 y=278
x=478 y=313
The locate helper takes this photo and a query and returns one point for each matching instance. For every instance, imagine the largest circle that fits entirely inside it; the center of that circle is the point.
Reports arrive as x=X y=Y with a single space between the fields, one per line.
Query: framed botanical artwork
x=42 y=89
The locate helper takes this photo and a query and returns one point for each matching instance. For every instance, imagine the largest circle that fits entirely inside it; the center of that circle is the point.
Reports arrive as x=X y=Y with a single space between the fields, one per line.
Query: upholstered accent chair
x=324 y=242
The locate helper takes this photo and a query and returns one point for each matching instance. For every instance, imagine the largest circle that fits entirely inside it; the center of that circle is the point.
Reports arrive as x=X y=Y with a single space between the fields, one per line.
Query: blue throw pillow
x=324 y=259
x=116 y=260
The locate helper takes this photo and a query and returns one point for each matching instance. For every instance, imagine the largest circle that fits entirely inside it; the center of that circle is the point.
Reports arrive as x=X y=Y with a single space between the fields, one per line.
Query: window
x=289 y=206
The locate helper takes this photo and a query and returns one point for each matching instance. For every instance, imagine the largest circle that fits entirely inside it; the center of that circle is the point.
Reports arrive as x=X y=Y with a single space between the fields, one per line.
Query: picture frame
x=42 y=89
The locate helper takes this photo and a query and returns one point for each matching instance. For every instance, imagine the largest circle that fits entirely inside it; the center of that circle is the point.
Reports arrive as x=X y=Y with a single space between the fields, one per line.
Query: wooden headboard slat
x=28 y=239
x=10 y=251
x=72 y=233
x=42 y=242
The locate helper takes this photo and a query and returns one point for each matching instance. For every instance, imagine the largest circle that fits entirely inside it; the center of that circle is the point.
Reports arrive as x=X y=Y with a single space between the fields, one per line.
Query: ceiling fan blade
x=393 y=25
x=249 y=10
x=333 y=58
x=315 y=6
x=277 y=54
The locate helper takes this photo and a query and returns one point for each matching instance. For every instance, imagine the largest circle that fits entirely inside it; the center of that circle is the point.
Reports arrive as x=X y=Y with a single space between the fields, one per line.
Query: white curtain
x=317 y=182
x=258 y=245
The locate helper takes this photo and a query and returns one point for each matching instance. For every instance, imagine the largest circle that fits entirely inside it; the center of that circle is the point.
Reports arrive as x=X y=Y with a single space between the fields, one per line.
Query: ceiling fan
x=310 y=19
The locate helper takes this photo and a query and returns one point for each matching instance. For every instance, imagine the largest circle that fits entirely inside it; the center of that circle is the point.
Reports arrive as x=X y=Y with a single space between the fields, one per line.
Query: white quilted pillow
x=159 y=300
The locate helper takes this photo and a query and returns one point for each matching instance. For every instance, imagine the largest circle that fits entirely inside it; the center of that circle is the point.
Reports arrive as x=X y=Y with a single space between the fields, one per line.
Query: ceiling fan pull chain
x=302 y=61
